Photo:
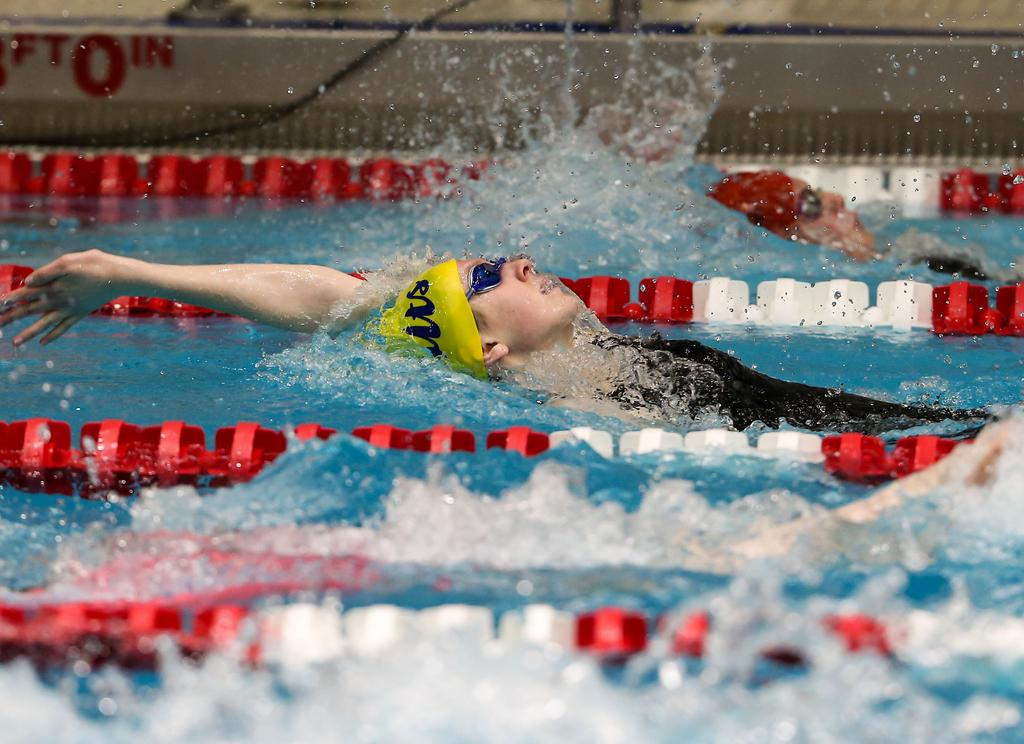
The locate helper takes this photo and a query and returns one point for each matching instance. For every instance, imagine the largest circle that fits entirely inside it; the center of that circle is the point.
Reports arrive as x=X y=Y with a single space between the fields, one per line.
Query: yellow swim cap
x=434 y=313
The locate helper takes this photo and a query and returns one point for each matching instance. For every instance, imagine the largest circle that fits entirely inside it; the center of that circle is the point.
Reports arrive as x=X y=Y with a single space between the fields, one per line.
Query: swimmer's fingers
x=60 y=329
x=31 y=307
x=51 y=318
x=50 y=297
x=20 y=295
x=12 y=298
x=25 y=301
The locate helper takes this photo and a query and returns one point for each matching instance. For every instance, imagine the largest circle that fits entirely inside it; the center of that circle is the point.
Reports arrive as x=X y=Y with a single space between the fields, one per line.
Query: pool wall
x=792 y=98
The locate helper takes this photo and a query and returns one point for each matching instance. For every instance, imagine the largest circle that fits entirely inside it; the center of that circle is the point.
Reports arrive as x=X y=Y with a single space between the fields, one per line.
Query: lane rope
x=300 y=634
x=126 y=633
x=115 y=457
x=66 y=174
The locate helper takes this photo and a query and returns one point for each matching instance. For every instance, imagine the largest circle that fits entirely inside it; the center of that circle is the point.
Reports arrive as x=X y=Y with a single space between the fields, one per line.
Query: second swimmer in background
x=792 y=209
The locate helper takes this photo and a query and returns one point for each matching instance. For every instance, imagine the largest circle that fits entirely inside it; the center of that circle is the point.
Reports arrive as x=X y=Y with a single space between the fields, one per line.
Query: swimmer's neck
x=582 y=330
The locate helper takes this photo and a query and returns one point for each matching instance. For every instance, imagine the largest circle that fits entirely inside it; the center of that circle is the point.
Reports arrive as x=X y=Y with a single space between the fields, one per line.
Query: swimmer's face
x=527 y=312
x=837 y=227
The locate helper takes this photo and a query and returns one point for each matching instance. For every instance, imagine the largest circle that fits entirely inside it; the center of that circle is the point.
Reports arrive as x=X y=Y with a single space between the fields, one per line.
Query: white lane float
x=795 y=445
x=720 y=300
x=372 y=630
x=538 y=624
x=903 y=304
x=650 y=440
x=599 y=441
x=717 y=441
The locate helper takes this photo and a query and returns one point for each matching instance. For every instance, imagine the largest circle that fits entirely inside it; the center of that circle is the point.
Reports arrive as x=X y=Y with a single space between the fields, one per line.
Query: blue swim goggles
x=485 y=276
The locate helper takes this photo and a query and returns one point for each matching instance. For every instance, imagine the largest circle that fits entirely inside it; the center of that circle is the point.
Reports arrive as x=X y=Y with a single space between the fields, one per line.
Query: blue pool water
x=495 y=529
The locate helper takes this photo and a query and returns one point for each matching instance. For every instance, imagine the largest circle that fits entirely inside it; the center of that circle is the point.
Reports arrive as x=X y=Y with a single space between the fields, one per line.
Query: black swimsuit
x=696 y=379
x=957 y=267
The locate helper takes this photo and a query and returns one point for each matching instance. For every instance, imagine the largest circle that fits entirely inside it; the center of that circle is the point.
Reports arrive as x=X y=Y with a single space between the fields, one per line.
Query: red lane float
x=148 y=307
x=64 y=174
x=442 y=439
x=317 y=180
x=305 y=432
x=216 y=176
x=387 y=180
x=114 y=446
x=962 y=308
x=434 y=177
x=856 y=457
x=968 y=192
x=242 y=451
x=1011 y=186
x=860 y=633
x=385 y=436
x=36 y=455
x=912 y=454
x=124 y=634
x=521 y=439
x=666 y=299
x=1010 y=306
x=964 y=191
x=68 y=174
x=15 y=172
x=12 y=277
x=172 y=453
x=863 y=459
x=611 y=632
x=607 y=296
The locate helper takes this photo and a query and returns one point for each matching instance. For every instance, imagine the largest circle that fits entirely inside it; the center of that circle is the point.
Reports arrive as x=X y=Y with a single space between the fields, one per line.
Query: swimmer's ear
x=494 y=352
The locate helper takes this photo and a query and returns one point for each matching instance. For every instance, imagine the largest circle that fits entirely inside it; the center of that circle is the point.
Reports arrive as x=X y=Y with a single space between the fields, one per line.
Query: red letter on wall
x=81 y=62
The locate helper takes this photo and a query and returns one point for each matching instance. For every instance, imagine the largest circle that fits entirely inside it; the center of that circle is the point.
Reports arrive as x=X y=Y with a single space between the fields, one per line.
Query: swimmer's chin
x=550 y=283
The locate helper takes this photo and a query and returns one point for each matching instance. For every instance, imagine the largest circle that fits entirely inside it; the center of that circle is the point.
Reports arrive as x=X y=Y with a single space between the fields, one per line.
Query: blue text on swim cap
x=422 y=308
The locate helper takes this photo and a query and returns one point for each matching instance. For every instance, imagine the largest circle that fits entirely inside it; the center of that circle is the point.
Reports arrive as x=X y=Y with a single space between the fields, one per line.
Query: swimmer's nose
x=521 y=269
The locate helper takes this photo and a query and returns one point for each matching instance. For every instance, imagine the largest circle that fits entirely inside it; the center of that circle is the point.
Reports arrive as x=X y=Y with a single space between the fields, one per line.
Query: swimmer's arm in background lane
x=293 y=297
x=969 y=465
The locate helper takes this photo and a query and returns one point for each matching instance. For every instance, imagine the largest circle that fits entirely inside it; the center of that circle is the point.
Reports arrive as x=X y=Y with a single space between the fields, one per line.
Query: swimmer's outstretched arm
x=970 y=464
x=293 y=297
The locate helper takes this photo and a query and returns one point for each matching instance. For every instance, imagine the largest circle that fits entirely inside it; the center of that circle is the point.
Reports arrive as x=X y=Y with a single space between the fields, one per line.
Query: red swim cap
x=768 y=198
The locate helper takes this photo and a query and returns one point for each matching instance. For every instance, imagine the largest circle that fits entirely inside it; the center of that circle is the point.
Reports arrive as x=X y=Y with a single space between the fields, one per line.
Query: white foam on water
x=547 y=522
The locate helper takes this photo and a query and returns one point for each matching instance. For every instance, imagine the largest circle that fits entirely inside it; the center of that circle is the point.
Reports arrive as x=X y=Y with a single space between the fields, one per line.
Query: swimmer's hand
x=971 y=464
x=293 y=297
x=65 y=291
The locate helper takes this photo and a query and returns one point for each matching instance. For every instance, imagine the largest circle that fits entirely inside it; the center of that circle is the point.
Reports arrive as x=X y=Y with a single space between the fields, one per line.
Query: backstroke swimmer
x=489 y=319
